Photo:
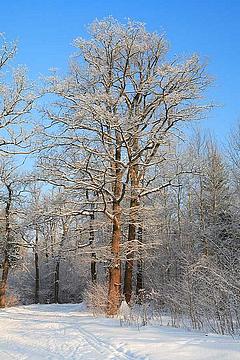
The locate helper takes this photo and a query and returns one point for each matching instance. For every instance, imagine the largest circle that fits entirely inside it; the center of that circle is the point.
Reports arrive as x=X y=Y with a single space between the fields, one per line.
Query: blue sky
x=45 y=30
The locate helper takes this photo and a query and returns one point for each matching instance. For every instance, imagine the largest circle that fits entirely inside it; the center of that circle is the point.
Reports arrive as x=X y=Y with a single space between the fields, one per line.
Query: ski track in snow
x=59 y=332
x=58 y=336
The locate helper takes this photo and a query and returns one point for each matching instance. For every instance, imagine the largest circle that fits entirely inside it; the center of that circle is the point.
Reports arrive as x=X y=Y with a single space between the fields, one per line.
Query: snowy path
x=57 y=332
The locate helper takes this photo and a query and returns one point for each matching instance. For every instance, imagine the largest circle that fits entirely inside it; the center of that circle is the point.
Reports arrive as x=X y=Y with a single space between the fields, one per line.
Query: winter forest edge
x=107 y=194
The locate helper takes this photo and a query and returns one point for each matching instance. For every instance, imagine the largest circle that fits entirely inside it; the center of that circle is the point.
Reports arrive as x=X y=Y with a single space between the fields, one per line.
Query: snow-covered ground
x=69 y=332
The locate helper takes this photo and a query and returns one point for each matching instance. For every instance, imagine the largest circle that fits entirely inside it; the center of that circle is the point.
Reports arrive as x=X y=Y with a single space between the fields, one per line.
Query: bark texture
x=37 y=270
x=114 y=291
x=6 y=262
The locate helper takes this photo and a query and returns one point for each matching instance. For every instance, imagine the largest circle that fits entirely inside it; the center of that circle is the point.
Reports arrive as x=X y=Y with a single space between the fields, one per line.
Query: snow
x=69 y=332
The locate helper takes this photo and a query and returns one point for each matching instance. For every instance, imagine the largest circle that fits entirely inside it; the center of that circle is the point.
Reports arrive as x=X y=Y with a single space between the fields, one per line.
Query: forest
x=109 y=192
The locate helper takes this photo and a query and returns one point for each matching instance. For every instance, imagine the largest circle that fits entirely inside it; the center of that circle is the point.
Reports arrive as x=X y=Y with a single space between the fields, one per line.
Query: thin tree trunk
x=202 y=220
x=57 y=267
x=91 y=240
x=6 y=263
x=56 y=282
x=93 y=268
x=139 y=284
x=37 y=271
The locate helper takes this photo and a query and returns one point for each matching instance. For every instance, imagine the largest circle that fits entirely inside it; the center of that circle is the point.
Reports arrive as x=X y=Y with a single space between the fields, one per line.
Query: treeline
x=101 y=195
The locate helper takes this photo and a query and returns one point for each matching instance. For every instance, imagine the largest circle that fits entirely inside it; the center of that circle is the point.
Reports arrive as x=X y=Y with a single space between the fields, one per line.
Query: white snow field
x=70 y=332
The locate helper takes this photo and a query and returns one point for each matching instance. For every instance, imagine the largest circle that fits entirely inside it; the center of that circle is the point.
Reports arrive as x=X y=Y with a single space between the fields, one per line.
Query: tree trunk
x=93 y=268
x=56 y=282
x=130 y=252
x=65 y=228
x=6 y=263
x=93 y=260
x=37 y=271
x=114 y=290
x=139 y=285
x=134 y=206
x=3 y=284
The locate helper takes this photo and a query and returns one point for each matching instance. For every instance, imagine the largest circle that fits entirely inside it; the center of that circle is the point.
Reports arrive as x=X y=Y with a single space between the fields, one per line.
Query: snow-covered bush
x=95 y=298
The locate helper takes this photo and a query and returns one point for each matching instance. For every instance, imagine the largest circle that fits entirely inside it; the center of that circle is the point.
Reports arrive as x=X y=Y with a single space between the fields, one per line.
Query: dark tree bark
x=93 y=268
x=56 y=282
x=58 y=261
x=37 y=270
x=139 y=284
x=91 y=241
x=6 y=262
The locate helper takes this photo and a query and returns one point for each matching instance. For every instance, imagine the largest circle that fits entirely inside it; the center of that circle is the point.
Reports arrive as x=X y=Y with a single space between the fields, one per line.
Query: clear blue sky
x=45 y=30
